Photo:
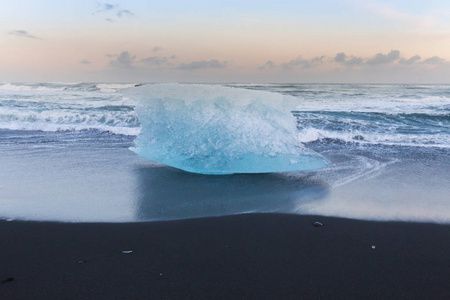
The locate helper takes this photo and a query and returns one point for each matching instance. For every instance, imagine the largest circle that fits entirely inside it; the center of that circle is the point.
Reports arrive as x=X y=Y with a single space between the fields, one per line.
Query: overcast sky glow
x=374 y=41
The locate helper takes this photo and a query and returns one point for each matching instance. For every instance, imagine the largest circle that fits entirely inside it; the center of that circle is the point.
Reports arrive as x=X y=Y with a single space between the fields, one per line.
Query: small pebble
x=8 y=280
x=373 y=246
x=318 y=224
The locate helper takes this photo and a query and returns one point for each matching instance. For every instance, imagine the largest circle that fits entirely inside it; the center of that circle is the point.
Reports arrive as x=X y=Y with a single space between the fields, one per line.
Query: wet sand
x=253 y=256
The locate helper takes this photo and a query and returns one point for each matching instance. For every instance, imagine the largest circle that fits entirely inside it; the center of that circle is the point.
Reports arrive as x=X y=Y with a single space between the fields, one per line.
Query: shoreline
x=249 y=256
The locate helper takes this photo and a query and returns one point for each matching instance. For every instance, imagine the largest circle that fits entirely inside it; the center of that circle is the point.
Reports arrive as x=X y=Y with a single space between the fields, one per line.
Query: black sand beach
x=251 y=256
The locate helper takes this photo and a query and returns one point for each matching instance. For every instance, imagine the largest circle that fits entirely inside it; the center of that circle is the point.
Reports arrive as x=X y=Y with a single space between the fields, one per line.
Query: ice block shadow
x=165 y=193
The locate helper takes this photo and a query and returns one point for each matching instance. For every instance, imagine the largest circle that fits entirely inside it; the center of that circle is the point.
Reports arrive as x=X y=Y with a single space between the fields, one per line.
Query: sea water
x=65 y=155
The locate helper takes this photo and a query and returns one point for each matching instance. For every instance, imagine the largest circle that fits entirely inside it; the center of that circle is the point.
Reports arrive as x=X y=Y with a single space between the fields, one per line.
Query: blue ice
x=212 y=129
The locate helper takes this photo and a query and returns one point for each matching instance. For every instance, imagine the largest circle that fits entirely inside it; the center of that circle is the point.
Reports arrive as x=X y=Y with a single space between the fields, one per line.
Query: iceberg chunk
x=211 y=129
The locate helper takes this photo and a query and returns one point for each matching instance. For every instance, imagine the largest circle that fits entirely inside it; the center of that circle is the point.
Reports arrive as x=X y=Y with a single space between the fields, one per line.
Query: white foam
x=432 y=105
x=307 y=135
x=69 y=119
x=114 y=87
x=27 y=88
x=132 y=131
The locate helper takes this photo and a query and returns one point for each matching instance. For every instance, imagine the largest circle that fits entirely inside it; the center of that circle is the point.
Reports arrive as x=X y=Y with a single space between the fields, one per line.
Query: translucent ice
x=212 y=129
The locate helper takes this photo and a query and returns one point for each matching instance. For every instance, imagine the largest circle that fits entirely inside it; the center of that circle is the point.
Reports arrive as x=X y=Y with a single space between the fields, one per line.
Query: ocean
x=65 y=156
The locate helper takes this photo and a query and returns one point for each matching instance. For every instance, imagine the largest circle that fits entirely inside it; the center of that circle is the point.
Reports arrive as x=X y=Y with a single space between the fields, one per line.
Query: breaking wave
x=415 y=129
x=67 y=107
x=407 y=115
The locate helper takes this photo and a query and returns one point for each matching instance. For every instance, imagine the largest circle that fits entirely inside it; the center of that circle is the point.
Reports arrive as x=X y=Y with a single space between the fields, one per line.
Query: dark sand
x=251 y=256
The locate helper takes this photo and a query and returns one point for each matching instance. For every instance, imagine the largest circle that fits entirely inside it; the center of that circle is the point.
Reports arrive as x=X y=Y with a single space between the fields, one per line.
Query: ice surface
x=213 y=129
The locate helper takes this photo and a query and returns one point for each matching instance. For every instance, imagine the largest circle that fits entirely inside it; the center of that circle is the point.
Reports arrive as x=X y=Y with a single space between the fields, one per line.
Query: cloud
x=126 y=60
x=123 y=61
x=124 y=12
x=381 y=58
x=267 y=66
x=22 y=33
x=391 y=61
x=318 y=59
x=85 y=62
x=410 y=61
x=203 y=64
x=386 y=59
x=102 y=7
x=303 y=63
x=348 y=60
x=112 y=9
x=157 y=48
x=340 y=57
x=435 y=60
x=155 y=61
x=354 y=61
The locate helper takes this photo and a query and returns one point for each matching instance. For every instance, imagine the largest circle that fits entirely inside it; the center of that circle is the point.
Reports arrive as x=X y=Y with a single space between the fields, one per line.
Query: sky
x=319 y=41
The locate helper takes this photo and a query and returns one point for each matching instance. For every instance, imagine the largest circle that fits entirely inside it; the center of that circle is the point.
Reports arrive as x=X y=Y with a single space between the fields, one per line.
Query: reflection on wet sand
x=166 y=193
